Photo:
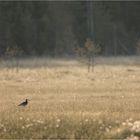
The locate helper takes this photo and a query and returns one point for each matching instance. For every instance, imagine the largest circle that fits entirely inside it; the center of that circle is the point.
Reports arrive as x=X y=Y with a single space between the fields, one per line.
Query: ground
x=67 y=101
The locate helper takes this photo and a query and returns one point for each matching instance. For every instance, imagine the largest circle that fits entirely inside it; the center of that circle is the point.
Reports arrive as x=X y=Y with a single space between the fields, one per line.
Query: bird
x=24 y=103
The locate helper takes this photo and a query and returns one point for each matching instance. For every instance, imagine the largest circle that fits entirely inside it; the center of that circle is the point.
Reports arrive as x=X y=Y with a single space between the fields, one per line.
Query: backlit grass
x=67 y=101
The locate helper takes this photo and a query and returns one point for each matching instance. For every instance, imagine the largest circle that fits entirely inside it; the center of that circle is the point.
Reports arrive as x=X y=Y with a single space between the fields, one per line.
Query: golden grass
x=67 y=101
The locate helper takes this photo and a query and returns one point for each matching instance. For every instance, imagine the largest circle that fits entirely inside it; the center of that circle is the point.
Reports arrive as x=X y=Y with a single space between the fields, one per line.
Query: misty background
x=57 y=28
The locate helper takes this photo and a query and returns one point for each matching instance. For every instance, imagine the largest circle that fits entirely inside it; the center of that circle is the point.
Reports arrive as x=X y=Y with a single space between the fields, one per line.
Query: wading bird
x=24 y=103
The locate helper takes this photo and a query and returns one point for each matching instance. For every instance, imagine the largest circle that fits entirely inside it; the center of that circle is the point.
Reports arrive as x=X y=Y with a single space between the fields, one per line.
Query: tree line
x=56 y=28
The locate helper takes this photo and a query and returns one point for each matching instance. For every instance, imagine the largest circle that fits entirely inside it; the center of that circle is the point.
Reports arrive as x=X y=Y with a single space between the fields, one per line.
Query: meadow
x=67 y=101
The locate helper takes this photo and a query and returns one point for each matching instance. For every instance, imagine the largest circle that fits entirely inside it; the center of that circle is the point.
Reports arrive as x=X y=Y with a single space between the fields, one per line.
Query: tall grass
x=67 y=101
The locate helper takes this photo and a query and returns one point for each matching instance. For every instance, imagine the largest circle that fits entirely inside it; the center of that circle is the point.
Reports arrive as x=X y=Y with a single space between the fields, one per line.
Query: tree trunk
x=89 y=63
x=92 y=63
x=115 y=39
x=90 y=22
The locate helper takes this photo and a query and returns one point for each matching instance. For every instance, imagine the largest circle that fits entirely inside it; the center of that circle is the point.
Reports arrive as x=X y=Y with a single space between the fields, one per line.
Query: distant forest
x=55 y=28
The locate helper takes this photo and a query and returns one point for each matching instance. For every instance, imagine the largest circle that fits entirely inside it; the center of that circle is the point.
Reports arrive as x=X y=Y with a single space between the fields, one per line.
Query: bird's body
x=24 y=103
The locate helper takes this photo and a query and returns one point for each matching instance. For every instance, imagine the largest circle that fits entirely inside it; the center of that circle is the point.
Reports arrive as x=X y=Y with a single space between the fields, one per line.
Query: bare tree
x=13 y=53
x=89 y=51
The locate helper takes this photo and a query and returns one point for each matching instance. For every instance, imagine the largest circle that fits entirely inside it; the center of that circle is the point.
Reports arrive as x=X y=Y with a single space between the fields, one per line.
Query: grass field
x=67 y=101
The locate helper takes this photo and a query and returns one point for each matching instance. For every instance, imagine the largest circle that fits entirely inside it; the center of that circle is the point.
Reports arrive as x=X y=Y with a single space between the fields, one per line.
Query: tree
x=89 y=51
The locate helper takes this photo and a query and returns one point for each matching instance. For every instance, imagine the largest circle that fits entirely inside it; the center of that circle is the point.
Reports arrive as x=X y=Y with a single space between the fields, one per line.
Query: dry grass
x=67 y=101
